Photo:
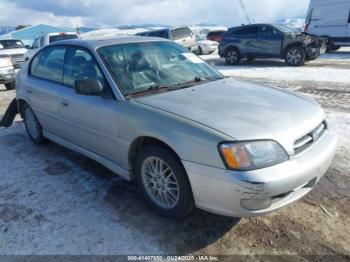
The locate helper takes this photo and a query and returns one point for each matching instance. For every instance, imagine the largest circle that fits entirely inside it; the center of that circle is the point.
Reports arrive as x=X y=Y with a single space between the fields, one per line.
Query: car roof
x=242 y=26
x=96 y=43
x=164 y=29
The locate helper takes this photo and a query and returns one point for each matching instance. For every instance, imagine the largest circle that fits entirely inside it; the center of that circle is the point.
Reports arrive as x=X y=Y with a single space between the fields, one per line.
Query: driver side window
x=80 y=65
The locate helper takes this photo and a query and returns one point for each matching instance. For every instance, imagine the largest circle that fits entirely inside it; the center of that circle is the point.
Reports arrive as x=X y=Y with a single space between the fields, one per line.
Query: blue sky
x=106 y=13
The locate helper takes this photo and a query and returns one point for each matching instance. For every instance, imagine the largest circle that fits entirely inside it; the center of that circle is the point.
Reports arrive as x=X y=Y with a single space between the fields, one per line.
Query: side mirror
x=28 y=46
x=90 y=87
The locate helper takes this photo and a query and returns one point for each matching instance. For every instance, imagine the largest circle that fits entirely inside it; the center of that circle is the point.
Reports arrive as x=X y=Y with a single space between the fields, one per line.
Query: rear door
x=269 y=41
x=88 y=121
x=42 y=85
x=247 y=41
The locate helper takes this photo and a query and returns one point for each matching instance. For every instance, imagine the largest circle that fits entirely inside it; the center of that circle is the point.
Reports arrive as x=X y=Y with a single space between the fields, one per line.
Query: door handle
x=65 y=103
x=29 y=91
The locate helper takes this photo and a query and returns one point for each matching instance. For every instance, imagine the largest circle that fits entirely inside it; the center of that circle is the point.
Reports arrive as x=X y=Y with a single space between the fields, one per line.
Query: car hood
x=13 y=51
x=242 y=110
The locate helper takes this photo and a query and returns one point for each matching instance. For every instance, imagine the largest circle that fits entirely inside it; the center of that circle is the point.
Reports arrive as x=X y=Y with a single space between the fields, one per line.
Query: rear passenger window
x=80 y=65
x=162 y=34
x=48 y=64
x=246 y=31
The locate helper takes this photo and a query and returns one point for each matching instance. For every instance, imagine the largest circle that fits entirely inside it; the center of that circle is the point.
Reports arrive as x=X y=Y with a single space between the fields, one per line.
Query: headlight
x=252 y=155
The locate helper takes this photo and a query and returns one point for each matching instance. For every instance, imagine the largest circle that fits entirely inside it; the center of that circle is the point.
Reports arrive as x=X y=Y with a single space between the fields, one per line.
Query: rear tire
x=295 y=56
x=163 y=182
x=11 y=85
x=233 y=56
x=33 y=127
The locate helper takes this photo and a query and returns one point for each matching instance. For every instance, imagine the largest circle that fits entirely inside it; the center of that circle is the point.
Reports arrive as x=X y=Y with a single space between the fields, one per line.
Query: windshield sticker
x=193 y=58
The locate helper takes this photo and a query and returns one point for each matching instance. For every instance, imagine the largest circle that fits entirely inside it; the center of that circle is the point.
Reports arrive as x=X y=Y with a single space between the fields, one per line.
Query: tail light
x=306 y=28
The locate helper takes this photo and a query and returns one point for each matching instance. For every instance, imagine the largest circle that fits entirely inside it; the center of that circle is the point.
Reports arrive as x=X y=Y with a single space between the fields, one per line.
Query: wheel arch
x=142 y=142
x=294 y=44
x=231 y=46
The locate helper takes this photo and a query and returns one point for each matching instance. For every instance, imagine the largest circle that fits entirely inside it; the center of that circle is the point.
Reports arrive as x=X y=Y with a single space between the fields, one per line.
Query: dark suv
x=270 y=41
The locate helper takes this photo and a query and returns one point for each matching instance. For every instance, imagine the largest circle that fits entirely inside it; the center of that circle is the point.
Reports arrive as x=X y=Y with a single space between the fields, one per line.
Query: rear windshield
x=9 y=44
x=286 y=29
x=55 y=38
x=182 y=32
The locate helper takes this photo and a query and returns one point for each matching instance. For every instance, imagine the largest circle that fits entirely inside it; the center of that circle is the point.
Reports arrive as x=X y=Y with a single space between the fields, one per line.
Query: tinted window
x=179 y=33
x=162 y=34
x=9 y=44
x=267 y=32
x=79 y=65
x=48 y=64
x=55 y=38
x=246 y=31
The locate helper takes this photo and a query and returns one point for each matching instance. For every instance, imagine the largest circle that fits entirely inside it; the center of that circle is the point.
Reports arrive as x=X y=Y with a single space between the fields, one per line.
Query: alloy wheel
x=160 y=182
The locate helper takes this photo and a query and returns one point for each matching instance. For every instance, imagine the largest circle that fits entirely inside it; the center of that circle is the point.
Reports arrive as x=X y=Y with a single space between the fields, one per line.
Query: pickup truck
x=270 y=41
x=7 y=73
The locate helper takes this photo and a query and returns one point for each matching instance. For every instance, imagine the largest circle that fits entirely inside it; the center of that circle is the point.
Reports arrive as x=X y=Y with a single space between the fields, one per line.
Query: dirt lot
x=55 y=201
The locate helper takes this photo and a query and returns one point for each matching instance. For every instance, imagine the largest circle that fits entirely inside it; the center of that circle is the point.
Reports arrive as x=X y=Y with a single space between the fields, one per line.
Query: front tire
x=295 y=56
x=33 y=127
x=233 y=56
x=163 y=182
x=11 y=85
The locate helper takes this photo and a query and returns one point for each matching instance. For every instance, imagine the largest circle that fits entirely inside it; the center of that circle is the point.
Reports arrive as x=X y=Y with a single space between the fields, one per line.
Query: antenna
x=245 y=11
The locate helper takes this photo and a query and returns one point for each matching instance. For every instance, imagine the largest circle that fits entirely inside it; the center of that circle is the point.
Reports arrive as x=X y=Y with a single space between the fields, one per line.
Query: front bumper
x=7 y=75
x=258 y=192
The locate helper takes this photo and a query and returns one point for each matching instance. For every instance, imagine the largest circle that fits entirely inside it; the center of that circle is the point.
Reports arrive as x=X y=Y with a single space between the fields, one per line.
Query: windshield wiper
x=147 y=90
x=196 y=80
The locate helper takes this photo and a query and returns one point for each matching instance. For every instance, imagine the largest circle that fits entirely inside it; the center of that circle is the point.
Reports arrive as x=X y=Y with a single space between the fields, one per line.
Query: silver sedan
x=150 y=111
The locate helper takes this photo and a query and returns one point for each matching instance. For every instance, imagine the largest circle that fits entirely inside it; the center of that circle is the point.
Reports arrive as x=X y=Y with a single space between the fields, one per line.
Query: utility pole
x=245 y=11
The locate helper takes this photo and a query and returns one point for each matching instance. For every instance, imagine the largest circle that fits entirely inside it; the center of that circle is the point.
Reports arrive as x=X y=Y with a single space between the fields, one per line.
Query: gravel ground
x=55 y=201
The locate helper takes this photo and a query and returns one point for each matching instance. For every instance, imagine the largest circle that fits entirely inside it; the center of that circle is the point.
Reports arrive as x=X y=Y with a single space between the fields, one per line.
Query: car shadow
x=188 y=235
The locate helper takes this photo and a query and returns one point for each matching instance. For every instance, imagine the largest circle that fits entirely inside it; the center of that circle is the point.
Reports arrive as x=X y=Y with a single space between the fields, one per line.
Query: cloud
x=118 y=12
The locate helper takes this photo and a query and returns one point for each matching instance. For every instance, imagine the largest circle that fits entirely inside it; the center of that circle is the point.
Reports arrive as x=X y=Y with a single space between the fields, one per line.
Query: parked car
x=7 y=73
x=153 y=112
x=206 y=46
x=270 y=41
x=181 y=35
x=47 y=39
x=216 y=35
x=13 y=49
x=330 y=19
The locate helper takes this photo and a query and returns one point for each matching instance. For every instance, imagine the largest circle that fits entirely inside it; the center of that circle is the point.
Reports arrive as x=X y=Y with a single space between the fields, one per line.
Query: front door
x=269 y=41
x=88 y=121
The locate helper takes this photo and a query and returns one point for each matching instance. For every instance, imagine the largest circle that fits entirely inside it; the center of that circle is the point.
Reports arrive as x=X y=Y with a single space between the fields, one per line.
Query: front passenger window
x=80 y=65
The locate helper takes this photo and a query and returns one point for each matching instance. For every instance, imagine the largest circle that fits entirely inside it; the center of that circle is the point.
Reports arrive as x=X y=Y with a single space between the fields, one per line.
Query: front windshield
x=153 y=65
x=9 y=44
x=286 y=29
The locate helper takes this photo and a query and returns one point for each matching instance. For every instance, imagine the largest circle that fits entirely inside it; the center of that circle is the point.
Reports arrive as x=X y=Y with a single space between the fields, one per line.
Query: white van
x=331 y=19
